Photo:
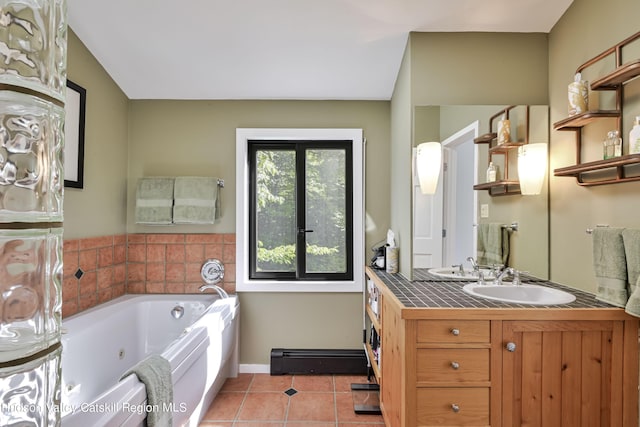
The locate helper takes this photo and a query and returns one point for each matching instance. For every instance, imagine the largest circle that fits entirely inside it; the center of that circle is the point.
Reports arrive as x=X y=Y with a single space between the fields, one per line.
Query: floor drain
x=290 y=392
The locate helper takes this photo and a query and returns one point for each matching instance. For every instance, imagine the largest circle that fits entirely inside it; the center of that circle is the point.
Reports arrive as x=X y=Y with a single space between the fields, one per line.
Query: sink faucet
x=513 y=272
x=474 y=264
x=218 y=289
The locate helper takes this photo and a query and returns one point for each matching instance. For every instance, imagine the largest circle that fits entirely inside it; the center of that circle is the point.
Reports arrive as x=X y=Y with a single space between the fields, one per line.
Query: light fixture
x=532 y=166
x=428 y=161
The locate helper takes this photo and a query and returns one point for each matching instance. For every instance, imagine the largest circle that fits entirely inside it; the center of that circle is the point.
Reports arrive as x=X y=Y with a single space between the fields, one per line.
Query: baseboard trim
x=254 y=368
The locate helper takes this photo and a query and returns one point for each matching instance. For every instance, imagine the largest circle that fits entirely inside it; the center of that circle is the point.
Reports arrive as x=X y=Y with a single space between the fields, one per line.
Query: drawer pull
x=455 y=332
x=511 y=346
x=455 y=408
x=455 y=365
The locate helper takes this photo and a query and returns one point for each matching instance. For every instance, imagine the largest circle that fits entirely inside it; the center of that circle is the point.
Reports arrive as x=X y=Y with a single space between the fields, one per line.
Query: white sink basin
x=525 y=293
x=454 y=273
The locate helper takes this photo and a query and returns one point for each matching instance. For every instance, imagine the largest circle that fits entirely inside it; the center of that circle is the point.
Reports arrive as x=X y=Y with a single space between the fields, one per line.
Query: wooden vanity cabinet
x=506 y=367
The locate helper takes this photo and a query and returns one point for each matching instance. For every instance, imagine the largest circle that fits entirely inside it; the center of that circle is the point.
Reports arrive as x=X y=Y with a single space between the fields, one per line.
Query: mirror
x=445 y=224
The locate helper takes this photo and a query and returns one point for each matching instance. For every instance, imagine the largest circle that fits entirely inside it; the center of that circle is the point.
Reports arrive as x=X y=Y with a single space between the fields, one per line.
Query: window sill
x=298 y=286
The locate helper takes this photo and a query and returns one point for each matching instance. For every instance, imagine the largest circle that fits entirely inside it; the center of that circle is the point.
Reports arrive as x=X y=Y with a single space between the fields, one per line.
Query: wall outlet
x=484 y=211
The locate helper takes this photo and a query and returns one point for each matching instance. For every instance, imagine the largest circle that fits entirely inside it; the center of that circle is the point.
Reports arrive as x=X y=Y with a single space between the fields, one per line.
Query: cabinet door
x=558 y=373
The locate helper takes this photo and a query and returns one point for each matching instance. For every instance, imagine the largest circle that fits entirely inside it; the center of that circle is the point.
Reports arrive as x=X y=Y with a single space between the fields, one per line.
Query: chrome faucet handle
x=460 y=268
x=481 y=278
x=516 y=278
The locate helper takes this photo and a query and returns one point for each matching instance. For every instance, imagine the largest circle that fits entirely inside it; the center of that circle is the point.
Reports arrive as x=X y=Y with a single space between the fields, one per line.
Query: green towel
x=631 y=239
x=196 y=200
x=610 y=266
x=633 y=304
x=154 y=201
x=493 y=244
x=155 y=373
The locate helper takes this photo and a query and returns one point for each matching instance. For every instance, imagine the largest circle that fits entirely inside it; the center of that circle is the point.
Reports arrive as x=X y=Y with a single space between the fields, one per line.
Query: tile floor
x=259 y=400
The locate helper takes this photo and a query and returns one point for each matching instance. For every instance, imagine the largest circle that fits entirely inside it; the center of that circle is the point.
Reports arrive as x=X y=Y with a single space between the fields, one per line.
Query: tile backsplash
x=99 y=269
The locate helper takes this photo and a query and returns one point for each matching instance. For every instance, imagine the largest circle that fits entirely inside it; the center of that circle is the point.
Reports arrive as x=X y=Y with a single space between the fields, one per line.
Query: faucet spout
x=509 y=270
x=221 y=292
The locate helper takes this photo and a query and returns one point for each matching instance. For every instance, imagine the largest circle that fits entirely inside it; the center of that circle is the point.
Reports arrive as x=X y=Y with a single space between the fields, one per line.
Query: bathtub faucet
x=218 y=289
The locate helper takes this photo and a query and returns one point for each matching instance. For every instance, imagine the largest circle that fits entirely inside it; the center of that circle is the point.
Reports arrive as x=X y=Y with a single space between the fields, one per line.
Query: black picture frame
x=75 y=110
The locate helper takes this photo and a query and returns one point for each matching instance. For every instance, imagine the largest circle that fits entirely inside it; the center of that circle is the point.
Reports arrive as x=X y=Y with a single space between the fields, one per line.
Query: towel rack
x=220 y=183
x=512 y=227
x=590 y=230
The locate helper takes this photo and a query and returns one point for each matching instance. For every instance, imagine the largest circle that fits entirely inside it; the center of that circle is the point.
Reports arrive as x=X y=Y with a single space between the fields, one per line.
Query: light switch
x=484 y=211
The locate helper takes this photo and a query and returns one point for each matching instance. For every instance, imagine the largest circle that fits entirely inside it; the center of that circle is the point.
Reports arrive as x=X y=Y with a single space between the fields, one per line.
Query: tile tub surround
x=99 y=269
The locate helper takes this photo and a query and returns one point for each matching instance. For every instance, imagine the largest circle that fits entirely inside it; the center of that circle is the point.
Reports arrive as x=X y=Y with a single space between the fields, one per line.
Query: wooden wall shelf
x=500 y=188
x=618 y=163
x=617 y=77
x=579 y=120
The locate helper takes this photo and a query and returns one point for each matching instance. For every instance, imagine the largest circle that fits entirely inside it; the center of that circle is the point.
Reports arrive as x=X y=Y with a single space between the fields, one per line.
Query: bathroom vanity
x=448 y=358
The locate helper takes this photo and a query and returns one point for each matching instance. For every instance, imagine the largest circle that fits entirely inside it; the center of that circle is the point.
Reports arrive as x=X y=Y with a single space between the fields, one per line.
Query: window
x=299 y=210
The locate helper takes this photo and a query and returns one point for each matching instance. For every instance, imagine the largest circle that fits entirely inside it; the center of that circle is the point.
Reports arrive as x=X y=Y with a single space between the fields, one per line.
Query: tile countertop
x=429 y=291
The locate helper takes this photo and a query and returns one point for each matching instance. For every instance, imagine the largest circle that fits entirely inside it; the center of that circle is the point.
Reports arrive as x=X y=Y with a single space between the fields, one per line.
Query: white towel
x=196 y=200
x=154 y=200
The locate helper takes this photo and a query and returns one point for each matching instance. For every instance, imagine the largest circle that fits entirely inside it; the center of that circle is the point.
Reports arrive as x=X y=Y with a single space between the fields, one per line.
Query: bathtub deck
x=253 y=400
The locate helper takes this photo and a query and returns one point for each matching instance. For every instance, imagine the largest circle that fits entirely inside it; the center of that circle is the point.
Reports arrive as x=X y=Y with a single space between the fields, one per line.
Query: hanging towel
x=633 y=304
x=155 y=373
x=196 y=200
x=493 y=244
x=154 y=200
x=631 y=239
x=610 y=266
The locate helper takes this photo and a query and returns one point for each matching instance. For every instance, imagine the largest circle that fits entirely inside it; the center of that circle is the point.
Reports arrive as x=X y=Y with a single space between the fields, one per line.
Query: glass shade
x=532 y=167
x=428 y=161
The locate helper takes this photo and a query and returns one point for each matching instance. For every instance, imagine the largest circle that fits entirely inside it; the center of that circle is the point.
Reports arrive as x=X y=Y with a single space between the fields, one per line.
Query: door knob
x=511 y=346
x=455 y=331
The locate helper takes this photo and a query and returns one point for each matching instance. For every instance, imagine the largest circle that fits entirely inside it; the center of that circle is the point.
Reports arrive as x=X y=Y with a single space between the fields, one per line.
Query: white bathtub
x=102 y=343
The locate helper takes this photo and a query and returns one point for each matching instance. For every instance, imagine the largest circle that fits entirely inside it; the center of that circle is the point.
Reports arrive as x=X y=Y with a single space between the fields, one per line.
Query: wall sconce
x=532 y=166
x=428 y=161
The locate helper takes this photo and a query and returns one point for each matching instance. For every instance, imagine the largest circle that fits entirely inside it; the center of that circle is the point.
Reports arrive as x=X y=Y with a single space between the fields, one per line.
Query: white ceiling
x=278 y=49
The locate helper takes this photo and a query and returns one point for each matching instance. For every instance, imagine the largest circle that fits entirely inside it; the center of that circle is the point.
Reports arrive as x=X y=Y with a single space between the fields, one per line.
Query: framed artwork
x=75 y=106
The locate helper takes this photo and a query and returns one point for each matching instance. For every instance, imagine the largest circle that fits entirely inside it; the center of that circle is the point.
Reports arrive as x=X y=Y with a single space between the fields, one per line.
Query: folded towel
x=154 y=200
x=493 y=244
x=610 y=266
x=631 y=239
x=633 y=304
x=196 y=200
x=155 y=373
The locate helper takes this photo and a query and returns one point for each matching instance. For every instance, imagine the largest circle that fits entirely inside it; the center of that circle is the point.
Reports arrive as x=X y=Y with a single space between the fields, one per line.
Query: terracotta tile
x=119 y=254
x=105 y=278
x=225 y=406
x=136 y=272
x=88 y=259
x=87 y=301
x=367 y=424
x=266 y=382
x=229 y=238
x=229 y=272
x=230 y=288
x=155 y=287
x=156 y=253
x=175 y=272
x=105 y=295
x=344 y=409
x=175 y=253
x=118 y=290
x=70 y=288
x=343 y=382
x=194 y=253
x=120 y=239
x=136 y=253
x=310 y=424
x=136 y=288
x=229 y=254
x=213 y=251
x=312 y=406
x=174 y=288
x=155 y=272
x=96 y=242
x=69 y=308
x=119 y=273
x=204 y=238
x=258 y=424
x=70 y=245
x=215 y=424
x=264 y=406
x=165 y=238
x=192 y=273
x=313 y=383
x=240 y=383
x=192 y=287
x=89 y=283
x=70 y=265
x=136 y=238
x=105 y=257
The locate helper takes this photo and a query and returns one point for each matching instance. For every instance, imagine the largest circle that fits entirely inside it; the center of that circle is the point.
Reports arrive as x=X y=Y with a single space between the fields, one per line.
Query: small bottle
x=492 y=172
x=634 y=137
x=612 y=145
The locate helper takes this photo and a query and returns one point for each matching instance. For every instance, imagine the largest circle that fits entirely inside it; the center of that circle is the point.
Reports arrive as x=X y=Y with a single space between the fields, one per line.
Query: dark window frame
x=300 y=147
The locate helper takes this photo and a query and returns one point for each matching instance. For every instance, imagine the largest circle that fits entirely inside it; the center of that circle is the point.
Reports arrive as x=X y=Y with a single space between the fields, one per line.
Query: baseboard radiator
x=302 y=361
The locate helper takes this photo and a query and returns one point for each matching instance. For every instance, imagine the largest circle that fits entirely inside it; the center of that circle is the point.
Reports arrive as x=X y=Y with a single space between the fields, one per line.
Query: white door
x=427 y=224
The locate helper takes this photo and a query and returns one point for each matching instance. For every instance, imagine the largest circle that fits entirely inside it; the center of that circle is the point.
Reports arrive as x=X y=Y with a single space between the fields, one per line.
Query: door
x=427 y=224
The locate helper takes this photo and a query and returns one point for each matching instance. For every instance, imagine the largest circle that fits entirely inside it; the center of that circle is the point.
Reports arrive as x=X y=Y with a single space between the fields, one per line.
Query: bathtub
x=102 y=343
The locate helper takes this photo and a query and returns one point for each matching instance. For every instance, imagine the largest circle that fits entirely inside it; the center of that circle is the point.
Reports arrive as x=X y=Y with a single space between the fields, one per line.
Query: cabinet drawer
x=452 y=365
x=454 y=331
x=453 y=407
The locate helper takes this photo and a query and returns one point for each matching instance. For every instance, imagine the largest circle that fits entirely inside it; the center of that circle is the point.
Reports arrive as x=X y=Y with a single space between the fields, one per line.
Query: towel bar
x=590 y=230
x=512 y=227
x=220 y=183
